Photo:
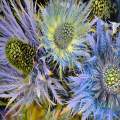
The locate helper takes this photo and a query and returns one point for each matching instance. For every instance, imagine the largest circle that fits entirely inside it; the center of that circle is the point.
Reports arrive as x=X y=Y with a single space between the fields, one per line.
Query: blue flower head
x=64 y=33
x=18 y=46
x=18 y=40
x=100 y=79
x=24 y=75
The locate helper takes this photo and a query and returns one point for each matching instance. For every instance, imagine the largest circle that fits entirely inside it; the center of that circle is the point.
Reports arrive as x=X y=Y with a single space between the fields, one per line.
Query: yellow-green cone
x=112 y=79
x=64 y=35
x=104 y=9
x=20 y=55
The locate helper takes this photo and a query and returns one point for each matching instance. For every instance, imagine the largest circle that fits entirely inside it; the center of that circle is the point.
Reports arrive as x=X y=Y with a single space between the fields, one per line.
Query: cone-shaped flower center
x=112 y=78
x=20 y=55
x=64 y=35
x=104 y=9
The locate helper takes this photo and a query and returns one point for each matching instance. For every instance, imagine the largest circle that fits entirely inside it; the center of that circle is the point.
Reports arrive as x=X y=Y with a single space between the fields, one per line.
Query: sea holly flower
x=24 y=75
x=17 y=45
x=97 y=89
x=105 y=75
x=63 y=33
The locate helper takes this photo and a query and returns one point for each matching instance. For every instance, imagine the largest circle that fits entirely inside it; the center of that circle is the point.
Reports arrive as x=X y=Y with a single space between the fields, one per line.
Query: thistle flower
x=17 y=44
x=63 y=33
x=17 y=48
x=100 y=80
x=104 y=9
x=24 y=75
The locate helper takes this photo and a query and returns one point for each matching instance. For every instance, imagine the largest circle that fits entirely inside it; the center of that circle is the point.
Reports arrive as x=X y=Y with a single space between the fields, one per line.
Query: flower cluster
x=53 y=66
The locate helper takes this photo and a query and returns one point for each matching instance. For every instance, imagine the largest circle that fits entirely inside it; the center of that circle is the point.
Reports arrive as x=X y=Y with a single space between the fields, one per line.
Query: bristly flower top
x=97 y=89
x=64 y=33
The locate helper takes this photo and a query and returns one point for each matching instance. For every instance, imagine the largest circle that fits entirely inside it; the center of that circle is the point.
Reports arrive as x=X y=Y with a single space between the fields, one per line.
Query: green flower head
x=20 y=55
